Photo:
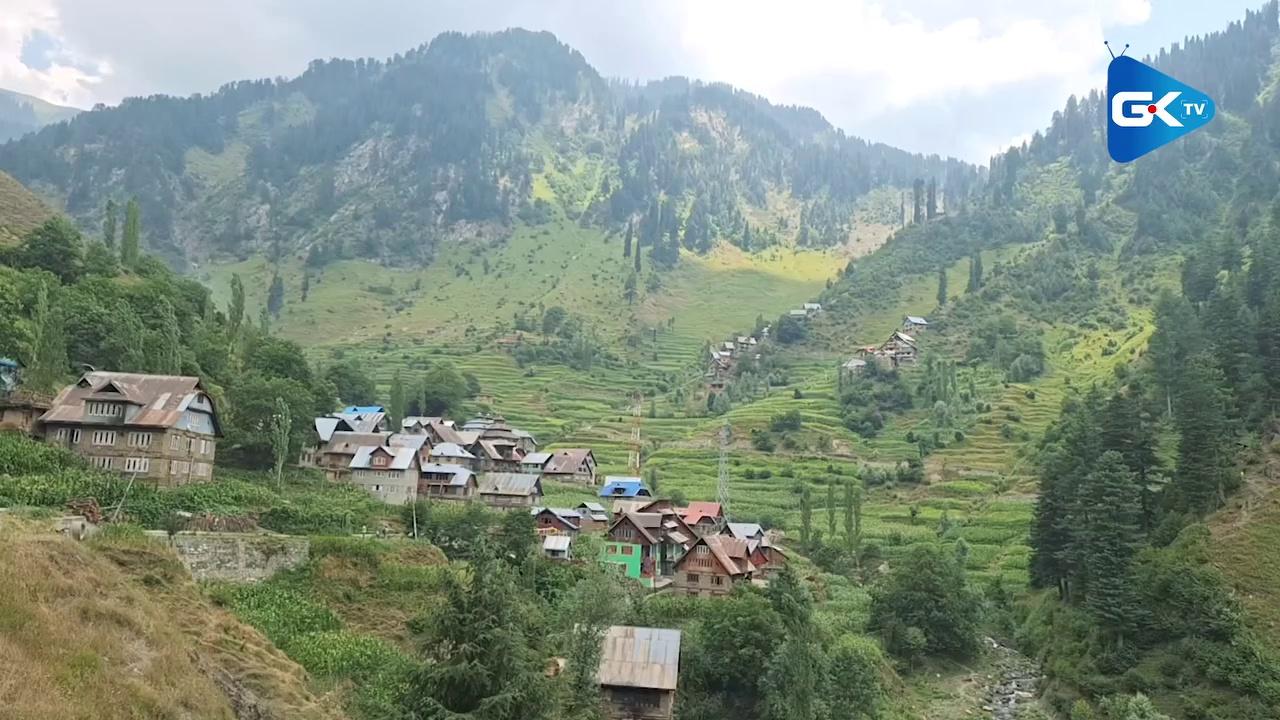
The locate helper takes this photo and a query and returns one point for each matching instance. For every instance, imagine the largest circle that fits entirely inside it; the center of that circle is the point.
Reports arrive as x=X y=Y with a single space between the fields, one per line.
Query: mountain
x=467 y=136
x=21 y=114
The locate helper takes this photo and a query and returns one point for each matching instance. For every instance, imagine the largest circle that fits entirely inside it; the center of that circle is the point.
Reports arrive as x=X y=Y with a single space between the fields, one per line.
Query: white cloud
x=67 y=78
x=898 y=59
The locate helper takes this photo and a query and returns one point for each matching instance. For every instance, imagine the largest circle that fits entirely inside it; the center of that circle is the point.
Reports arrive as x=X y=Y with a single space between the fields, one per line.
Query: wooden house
x=639 y=671
x=571 y=465
x=444 y=481
x=160 y=428
x=388 y=473
x=556 y=521
x=703 y=517
x=509 y=491
x=713 y=565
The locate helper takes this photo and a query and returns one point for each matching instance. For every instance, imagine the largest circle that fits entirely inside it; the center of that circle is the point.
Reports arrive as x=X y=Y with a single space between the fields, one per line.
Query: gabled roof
x=917 y=320
x=518 y=484
x=346 y=443
x=325 y=427
x=460 y=476
x=399 y=458
x=408 y=440
x=156 y=401
x=640 y=657
x=855 y=363
x=732 y=554
x=616 y=486
x=420 y=421
x=363 y=422
x=567 y=461
x=537 y=458
x=903 y=337
x=450 y=450
x=363 y=410
x=743 y=531
x=596 y=511
x=623 y=505
x=700 y=509
x=572 y=518
x=649 y=525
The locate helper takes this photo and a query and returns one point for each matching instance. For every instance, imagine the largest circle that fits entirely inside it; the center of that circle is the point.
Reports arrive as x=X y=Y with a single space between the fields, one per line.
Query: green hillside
x=21 y=114
x=20 y=210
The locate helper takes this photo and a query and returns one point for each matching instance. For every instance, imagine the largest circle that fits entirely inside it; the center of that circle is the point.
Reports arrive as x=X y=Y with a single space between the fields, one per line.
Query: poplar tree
x=235 y=312
x=109 y=226
x=942 y=287
x=806 y=517
x=975 y=272
x=48 y=344
x=396 y=403
x=626 y=242
x=831 y=511
x=130 y=243
x=281 y=433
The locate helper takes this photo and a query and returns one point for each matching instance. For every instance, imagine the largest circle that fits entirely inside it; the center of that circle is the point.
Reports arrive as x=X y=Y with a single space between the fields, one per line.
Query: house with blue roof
x=624 y=487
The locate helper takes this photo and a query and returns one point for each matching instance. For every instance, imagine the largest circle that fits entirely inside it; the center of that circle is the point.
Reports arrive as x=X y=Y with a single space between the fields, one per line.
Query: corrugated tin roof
x=454 y=450
x=640 y=657
x=743 y=531
x=150 y=400
x=616 y=486
x=346 y=443
x=363 y=409
x=325 y=427
x=537 y=458
x=461 y=475
x=917 y=320
x=556 y=543
x=567 y=461
x=521 y=484
x=408 y=440
x=700 y=509
x=400 y=458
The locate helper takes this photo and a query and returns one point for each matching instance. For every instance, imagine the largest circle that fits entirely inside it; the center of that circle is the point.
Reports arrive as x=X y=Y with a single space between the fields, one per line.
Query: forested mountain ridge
x=21 y=114
x=463 y=136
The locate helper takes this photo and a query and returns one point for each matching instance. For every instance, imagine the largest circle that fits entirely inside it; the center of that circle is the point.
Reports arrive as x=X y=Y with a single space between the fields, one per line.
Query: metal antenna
x=1113 y=55
x=722 y=482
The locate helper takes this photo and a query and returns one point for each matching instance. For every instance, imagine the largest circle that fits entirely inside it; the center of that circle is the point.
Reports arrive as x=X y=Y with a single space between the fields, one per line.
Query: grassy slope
x=20 y=210
x=116 y=629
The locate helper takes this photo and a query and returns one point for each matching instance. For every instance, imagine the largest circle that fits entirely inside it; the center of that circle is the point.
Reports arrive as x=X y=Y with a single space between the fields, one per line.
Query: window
x=104 y=409
x=75 y=435
x=60 y=434
x=205 y=447
x=101 y=462
x=140 y=439
x=704 y=550
x=627 y=550
x=691 y=578
x=717 y=579
x=190 y=443
x=377 y=488
x=104 y=437
x=136 y=464
x=173 y=442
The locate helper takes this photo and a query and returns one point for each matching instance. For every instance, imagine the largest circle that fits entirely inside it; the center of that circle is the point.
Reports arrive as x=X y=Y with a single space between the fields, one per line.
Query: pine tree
x=1108 y=519
x=636 y=267
x=306 y=286
x=48 y=362
x=917 y=201
x=931 y=202
x=942 y=287
x=629 y=288
x=1202 y=476
x=109 y=226
x=975 y=272
x=131 y=242
x=275 y=296
x=1127 y=430
x=626 y=242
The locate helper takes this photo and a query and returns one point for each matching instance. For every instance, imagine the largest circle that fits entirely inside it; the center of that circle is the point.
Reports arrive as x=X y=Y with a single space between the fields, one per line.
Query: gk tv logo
x=1139 y=95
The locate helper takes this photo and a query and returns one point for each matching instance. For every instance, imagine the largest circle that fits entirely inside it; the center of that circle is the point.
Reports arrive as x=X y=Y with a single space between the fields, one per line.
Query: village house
x=452 y=454
x=854 y=366
x=420 y=424
x=161 y=428
x=388 y=473
x=509 y=491
x=534 y=462
x=20 y=408
x=703 y=517
x=556 y=521
x=659 y=539
x=713 y=565
x=442 y=481
x=639 y=670
x=334 y=458
x=624 y=487
x=914 y=324
x=900 y=348
x=364 y=421
x=767 y=557
x=812 y=308
x=623 y=506
x=557 y=547
x=571 y=465
x=593 y=516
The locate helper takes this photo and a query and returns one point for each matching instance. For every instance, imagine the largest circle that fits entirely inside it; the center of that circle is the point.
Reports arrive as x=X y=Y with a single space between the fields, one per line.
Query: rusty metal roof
x=150 y=400
x=517 y=484
x=640 y=657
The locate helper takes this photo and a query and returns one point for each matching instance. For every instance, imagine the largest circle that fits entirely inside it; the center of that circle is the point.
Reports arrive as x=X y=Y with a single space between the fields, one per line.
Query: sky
x=964 y=79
